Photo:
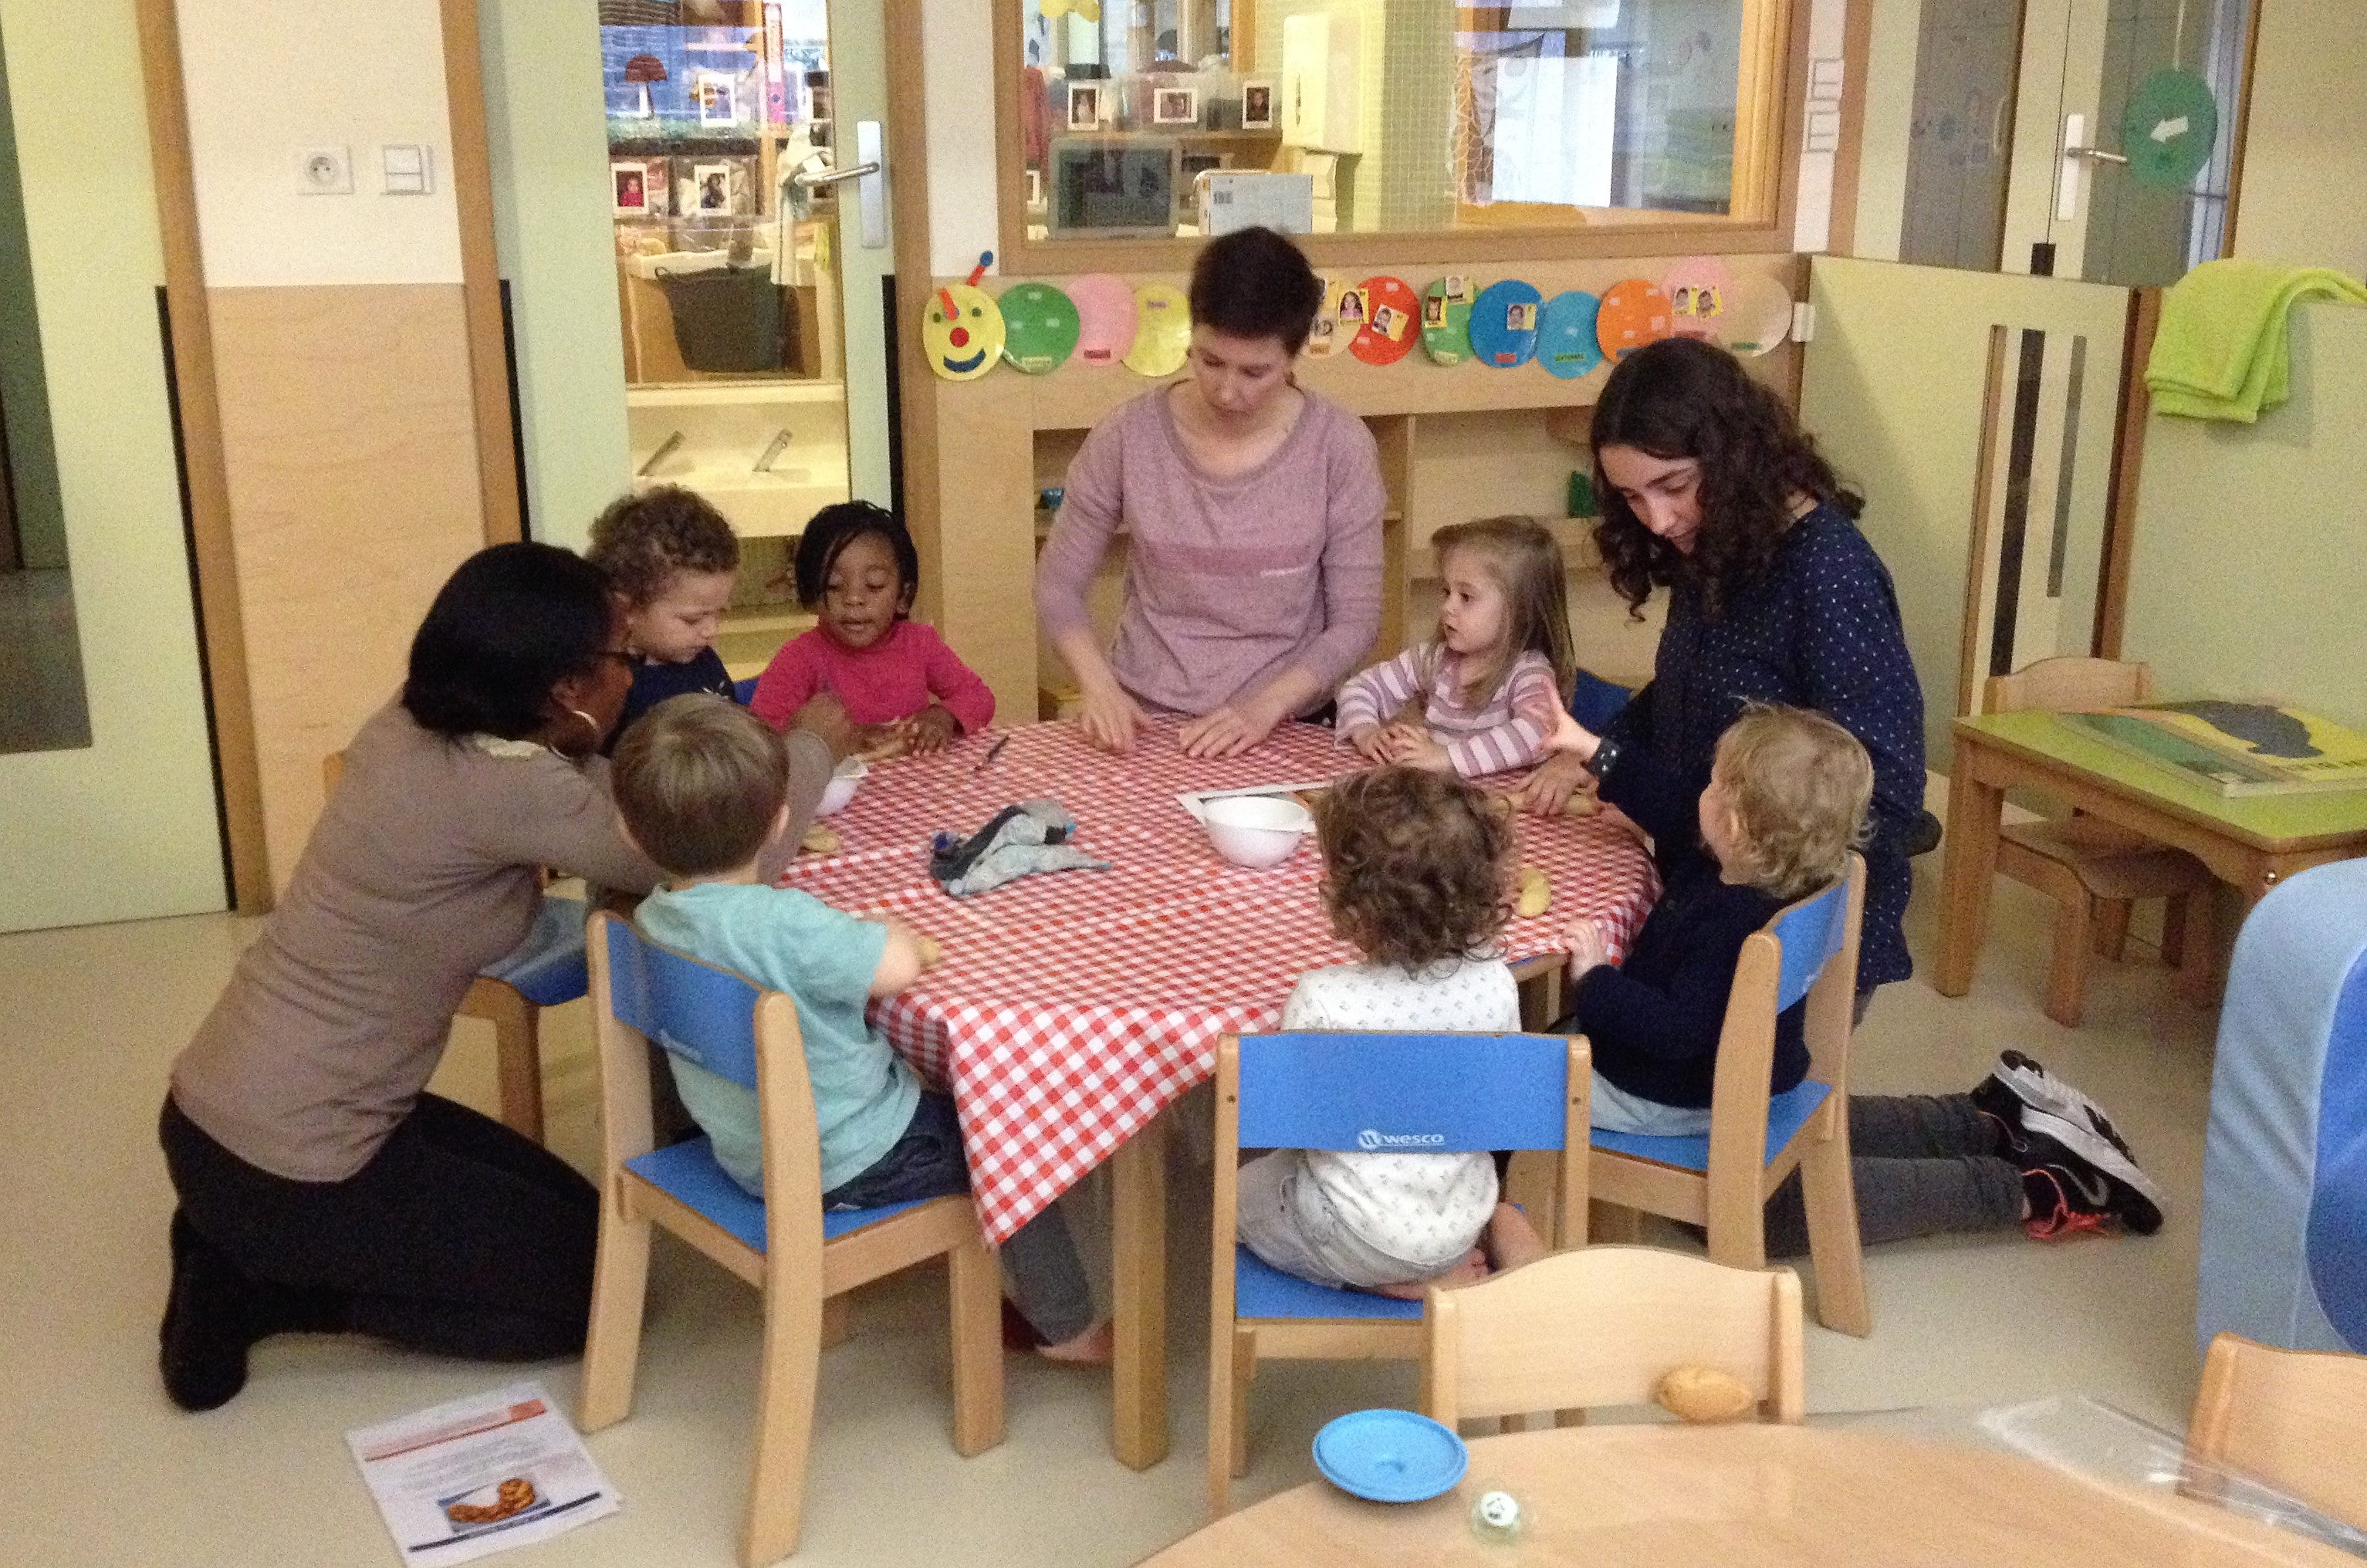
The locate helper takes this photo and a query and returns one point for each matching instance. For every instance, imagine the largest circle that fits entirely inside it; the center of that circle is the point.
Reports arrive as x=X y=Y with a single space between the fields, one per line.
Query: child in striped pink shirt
x=1491 y=685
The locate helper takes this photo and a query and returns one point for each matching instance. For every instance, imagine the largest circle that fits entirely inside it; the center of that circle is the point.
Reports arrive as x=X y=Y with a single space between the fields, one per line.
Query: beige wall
x=2248 y=573
x=2304 y=184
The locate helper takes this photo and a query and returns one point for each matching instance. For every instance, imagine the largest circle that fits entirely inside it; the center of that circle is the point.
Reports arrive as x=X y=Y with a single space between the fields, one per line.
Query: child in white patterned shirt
x=1415 y=865
x=1491 y=685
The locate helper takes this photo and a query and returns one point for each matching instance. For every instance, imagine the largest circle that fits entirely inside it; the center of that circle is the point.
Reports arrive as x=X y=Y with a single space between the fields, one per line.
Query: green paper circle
x=1448 y=339
x=1039 y=327
x=2171 y=123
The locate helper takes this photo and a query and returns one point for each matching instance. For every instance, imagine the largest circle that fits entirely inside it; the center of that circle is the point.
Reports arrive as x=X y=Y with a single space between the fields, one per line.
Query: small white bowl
x=1256 y=830
x=842 y=784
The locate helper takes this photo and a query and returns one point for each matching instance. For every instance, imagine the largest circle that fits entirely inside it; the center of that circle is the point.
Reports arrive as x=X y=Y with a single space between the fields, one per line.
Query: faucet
x=665 y=450
x=773 y=449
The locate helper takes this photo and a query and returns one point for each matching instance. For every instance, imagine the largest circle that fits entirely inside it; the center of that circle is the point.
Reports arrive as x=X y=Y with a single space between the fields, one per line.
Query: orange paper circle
x=1392 y=321
x=1633 y=313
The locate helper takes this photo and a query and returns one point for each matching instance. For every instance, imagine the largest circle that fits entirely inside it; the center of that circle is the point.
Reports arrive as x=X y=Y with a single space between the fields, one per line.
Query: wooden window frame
x=1774 y=66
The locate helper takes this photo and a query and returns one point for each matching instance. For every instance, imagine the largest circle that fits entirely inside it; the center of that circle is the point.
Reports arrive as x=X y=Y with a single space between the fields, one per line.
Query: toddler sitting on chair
x=1415 y=865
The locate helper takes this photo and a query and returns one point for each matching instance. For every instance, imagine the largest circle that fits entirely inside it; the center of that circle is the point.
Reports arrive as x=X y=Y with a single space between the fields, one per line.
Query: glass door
x=2081 y=139
x=730 y=166
x=105 y=760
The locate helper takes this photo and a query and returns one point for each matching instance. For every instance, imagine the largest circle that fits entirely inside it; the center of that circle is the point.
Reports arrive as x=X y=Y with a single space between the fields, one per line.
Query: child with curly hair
x=673 y=559
x=1416 y=865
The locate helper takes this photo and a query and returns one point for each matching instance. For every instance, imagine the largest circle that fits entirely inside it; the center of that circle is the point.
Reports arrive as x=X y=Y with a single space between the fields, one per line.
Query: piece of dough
x=932 y=952
x=1537 y=893
x=821 y=840
x=1580 y=803
x=1704 y=1396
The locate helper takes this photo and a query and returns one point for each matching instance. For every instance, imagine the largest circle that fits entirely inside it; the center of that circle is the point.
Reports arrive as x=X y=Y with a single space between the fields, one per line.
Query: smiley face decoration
x=961 y=328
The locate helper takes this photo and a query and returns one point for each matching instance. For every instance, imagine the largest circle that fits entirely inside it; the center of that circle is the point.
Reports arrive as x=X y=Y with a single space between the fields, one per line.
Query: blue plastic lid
x=1391 y=1456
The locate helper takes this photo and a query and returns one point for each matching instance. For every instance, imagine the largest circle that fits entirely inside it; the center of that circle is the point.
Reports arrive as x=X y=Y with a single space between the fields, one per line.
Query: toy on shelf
x=1504 y=324
x=1162 y=331
x=1566 y=334
x=1633 y=312
x=1106 y=316
x=1446 y=321
x=1390 y=308
x=1039 y=327
x=961 y=329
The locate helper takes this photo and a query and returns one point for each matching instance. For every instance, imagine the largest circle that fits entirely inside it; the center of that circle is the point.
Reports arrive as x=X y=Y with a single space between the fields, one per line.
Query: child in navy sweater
x=674 y=560
x=1787 y=802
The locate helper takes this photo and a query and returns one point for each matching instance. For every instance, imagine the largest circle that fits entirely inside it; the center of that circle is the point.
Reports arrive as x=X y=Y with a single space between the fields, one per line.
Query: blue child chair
x=1459 y=1092
x=1722 y=1181
x=784 y=1244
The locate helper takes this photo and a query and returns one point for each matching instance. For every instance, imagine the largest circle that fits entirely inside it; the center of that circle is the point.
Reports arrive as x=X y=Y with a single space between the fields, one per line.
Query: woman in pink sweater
x=1253 y=515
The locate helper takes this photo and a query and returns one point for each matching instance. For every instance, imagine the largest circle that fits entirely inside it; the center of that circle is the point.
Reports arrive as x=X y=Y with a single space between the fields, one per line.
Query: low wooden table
x=2251 y=842
x=1720 y=1497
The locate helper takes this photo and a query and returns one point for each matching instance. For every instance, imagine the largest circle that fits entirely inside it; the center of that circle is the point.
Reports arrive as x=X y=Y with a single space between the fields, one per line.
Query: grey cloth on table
x=1022 y=841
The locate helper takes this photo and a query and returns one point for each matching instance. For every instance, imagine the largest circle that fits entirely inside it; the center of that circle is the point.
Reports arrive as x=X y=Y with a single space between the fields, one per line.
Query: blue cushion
x=1261 y=1291
x=1787 y=1115
x=548 y=967
x=687 y=1173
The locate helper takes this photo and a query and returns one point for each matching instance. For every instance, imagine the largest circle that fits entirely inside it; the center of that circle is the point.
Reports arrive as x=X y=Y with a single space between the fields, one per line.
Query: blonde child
x=905 y=690
x=701 y=787
x=1415 y=866
x=673 y=559
x=1787 y=802
x=1491 y=685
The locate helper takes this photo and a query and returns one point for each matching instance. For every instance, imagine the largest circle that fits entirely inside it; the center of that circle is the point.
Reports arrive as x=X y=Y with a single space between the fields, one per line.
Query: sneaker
x=2022 y=1081
x=2069 y=1194
x=2137 y=1200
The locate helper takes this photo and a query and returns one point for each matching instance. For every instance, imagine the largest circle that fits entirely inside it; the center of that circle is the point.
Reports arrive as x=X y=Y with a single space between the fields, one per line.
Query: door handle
x=816 y=179
x=2075 y=156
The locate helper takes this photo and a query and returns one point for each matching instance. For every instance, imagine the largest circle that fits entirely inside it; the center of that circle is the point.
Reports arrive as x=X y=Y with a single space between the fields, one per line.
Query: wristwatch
x=1605 y=758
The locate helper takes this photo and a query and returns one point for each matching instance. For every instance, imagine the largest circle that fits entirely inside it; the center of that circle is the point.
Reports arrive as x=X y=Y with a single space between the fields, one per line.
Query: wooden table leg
x=1968 y=868
x=1139 y=1297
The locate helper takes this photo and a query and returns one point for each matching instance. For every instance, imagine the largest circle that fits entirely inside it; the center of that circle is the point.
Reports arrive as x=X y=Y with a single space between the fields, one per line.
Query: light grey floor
x=99 y=1468
x=41 y=704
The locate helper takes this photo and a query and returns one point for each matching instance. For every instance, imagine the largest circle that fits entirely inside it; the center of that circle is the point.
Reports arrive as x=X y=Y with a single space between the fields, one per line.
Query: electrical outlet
x=324 y=171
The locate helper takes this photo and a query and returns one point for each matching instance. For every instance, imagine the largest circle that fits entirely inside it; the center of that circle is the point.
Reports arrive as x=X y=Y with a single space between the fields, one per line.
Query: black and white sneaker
x=2135 y=1200
x=2030 y=1083
x=2066 y=1196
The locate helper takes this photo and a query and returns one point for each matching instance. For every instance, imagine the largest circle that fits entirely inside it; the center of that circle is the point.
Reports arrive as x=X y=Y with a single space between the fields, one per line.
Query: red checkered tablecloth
x=1071 y=1009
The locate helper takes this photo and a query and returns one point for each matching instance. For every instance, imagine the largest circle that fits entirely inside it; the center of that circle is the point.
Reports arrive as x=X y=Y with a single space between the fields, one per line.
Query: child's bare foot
x=1470 y=1271
x=1090 y=1349
x=1511 y=1240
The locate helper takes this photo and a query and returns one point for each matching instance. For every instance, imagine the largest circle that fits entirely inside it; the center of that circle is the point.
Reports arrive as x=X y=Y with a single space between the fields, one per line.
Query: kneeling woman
x=320 y=1189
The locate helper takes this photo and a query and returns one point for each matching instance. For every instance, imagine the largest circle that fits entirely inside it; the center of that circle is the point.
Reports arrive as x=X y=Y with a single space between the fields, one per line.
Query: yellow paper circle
x=961 y=332
x=1162 y=331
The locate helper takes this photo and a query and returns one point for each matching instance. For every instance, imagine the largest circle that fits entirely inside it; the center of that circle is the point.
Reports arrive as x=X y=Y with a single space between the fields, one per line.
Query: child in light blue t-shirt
x=702 y=787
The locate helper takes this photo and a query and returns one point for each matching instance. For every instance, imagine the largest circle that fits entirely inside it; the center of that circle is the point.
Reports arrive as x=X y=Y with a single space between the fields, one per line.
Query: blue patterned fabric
x=1821 y=631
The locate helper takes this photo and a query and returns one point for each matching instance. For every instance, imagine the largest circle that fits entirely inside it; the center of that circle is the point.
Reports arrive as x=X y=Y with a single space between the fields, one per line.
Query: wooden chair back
x=2295 y=1420
x=1602 y=1327
x=2070 y=684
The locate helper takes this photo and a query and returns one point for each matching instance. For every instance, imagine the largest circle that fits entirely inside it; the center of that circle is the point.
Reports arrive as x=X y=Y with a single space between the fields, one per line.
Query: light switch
x=1823 y=131
x=405 y=168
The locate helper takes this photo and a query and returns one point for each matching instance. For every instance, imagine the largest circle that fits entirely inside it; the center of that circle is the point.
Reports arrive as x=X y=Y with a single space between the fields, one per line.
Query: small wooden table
x=2252 y=842
x=1718 y=1496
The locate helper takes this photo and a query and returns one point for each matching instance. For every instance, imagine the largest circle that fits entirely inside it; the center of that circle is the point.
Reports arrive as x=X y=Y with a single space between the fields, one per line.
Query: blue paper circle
x=1566 y=344
x=1495 y=340
x=1391 y=1456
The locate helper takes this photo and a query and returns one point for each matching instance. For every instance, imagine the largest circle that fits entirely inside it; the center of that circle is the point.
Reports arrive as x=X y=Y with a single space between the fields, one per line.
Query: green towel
x=2220 y=352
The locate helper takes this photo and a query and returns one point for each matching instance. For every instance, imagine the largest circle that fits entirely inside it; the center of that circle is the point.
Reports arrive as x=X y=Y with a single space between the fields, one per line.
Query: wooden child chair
x=543 y=971
x=785 y=1244
x=2295 y=1420
x=2094 y=870
x=1602 y=1327
x=1459 y=1092
x=1722 y=1182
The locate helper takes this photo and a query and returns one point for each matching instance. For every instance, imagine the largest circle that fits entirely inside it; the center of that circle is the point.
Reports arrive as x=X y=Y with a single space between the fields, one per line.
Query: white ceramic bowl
x=842 y=786
x=1256 y=830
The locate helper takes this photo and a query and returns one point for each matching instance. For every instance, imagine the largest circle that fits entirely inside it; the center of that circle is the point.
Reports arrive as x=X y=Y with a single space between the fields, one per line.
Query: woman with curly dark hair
x=1416 y=868
x=1710 y=488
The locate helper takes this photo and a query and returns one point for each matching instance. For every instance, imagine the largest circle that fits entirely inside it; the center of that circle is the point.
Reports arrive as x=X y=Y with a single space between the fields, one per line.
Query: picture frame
x=1257 y=106
x=629 y=189
x=1084 y=105
x=718 y=99
x=1175 y=105
x=711 y=190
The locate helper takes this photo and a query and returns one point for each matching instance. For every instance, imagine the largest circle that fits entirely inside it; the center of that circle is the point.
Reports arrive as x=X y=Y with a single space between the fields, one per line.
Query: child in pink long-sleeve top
x=1491 y=685
x=905 y=690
